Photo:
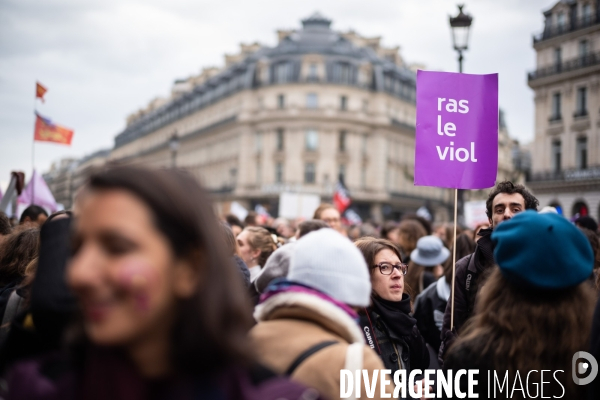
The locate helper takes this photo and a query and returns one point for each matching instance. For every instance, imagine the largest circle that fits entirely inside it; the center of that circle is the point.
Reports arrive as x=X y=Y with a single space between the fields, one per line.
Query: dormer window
x=283 y=72
x=586 y=13
x=342 y=73
x=560 y=21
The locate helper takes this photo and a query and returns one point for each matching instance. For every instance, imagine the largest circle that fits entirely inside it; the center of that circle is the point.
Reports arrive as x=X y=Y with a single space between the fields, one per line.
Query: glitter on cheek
x=138 y=279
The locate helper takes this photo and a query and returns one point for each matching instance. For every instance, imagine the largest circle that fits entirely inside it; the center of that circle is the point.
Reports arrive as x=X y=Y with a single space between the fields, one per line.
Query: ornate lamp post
x=460 y=39
x=174 y=146
x=460 y=33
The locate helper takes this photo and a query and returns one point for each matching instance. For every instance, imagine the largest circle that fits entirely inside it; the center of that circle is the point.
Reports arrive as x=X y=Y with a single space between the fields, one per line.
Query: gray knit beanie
x=327 y=261
x=277 y=266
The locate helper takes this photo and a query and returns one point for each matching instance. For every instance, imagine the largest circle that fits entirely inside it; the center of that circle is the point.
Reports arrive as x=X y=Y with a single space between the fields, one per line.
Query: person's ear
x=491 y=222
x=255 y=253
x=186 y=277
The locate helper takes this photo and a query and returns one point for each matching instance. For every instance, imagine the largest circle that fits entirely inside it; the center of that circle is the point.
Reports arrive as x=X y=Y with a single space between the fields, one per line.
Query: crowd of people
x=142 y=292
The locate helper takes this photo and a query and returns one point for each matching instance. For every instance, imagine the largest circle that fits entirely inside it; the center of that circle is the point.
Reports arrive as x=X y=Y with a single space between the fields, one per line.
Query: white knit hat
x=327 y=261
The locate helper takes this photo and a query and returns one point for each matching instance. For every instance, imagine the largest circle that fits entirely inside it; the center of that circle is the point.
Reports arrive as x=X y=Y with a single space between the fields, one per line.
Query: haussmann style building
x=292 y=119
x=566 y=148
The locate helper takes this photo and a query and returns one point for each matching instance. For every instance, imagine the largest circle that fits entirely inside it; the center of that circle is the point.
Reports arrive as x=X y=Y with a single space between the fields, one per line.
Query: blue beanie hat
x=543 y=251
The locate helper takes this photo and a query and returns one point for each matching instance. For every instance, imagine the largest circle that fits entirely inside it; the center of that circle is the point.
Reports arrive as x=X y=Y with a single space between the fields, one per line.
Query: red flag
x=341 y=197
x=46 y=131
x=40 y=91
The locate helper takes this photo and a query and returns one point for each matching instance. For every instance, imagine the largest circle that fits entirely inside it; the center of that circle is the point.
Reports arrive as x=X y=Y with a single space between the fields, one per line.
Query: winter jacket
x=291 y=323
x=470 y=271
x=107 y=374
x=430 y=306
x=393 y=334
x=470 y=355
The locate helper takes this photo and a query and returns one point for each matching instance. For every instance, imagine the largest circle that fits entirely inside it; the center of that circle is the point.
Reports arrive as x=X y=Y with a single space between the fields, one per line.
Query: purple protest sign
x=457 y=130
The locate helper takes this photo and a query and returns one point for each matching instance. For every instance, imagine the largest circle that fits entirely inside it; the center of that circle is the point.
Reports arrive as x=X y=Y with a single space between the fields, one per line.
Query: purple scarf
x=284 y=286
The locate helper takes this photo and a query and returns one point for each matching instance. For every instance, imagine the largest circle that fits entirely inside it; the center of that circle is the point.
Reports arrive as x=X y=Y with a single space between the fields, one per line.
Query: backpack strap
x=307 y=353
x=13 y=306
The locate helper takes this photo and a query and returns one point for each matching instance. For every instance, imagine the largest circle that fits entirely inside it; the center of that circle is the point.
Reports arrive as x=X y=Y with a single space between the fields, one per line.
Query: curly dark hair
x=531 y=203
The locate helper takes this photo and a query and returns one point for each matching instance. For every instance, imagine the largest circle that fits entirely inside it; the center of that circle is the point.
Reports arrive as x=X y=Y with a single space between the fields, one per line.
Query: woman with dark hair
x=164 y=313
x=388 y=327
x=16 y=253
x=533 y=313
x=409 y=232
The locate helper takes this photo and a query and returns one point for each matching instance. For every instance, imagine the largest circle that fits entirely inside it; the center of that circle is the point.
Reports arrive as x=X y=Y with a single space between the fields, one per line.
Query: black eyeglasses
x=387 y=268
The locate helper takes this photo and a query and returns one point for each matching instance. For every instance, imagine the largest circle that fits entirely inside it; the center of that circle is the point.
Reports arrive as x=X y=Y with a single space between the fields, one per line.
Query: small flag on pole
x=341 y=197
x=46 y=131
x=40 y=91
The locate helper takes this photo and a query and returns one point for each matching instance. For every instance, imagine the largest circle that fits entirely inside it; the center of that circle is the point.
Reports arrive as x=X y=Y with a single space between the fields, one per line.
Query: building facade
x=566 y=149
x=293 y=118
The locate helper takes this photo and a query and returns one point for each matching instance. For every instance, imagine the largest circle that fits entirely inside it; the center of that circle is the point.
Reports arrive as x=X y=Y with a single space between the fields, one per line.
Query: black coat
x=470 y=272
x=399 y=348
x=429 y=313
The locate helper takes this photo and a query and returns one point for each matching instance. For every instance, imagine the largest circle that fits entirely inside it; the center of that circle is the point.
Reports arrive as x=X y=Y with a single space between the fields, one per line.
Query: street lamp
x=460 y=33
x=174 y=146
x=460 y=39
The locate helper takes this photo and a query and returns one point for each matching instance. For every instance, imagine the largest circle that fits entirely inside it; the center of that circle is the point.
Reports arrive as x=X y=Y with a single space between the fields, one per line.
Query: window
x=581 y=106
x=581 y=156
x=342 y=173
x=258 y=142
x=309 y=173
x=556 y=114
x=586 y=14
x=311 y=139
x=557 y=56
x=278 y=172
x=343 y=103
x=281 y=101
x=363 y=177
x=280 y=139
x=283 y=72
x=342 y=73
x=556 y=156
x=560 y=21
x=583 y=48
x=258 y=173
x=342 y=141
x=312 y=73
x=311 y=100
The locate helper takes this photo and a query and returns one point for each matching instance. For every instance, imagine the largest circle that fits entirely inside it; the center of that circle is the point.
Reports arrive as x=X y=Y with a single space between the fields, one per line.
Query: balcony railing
x=557 y=30
x=567 y=175
x=580 y=113
x=571 y=65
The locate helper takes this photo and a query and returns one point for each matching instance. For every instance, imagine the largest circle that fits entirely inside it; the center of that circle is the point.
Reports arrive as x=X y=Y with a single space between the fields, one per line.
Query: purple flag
x=39 y=191
x=457 y=130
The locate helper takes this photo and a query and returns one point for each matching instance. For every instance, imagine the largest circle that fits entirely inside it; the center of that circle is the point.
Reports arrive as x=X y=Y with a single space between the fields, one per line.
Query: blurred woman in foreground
x=163 y=308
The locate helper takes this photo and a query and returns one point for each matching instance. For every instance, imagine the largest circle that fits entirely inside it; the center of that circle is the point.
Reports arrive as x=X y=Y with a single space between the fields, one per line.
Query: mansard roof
x=315 y=37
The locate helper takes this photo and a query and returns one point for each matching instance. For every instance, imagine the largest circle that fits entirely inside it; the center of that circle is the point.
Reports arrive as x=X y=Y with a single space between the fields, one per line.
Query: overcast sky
x=103 y=59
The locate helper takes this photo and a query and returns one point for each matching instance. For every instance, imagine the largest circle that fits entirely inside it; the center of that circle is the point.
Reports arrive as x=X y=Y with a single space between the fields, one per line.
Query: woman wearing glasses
x=386 y=323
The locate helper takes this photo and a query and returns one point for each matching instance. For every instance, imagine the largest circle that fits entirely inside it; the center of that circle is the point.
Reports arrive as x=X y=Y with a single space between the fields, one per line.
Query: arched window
x=580 y=208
